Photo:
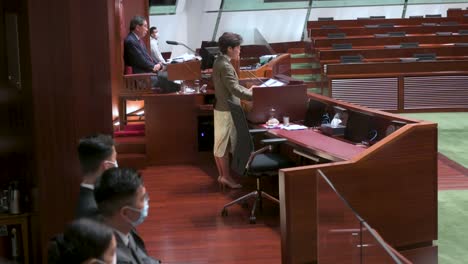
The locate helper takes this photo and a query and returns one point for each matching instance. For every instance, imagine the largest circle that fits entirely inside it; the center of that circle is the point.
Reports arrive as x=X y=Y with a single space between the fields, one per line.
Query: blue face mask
x=143 y=213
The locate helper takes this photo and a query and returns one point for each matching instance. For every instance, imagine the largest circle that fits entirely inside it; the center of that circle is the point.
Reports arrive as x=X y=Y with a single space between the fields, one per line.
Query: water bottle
x=14 y=198
x=197 y=86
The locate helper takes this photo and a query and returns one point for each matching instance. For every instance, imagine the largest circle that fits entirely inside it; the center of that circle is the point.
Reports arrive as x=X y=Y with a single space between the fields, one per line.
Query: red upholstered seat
x=128 y=70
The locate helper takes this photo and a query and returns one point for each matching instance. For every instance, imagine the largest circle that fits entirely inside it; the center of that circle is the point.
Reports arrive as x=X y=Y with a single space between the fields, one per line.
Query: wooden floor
x=451 y=175
x=185 y=225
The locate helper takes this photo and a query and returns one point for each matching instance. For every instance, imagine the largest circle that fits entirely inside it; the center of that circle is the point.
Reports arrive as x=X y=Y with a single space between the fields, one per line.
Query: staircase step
x=296 y=50
x=307 y=77
x=130 y=145
x=135 y=127
x=131 y=133
x=302 y=55
x=303 y=60
x=305 y=65
x=305 y=71
x=132 y=160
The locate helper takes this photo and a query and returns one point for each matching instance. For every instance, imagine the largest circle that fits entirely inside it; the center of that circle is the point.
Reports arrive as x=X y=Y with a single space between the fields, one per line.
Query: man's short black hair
x=229 y=39
x=136 y=21
x=93 y=150
x=117 y=187
x=152 y=29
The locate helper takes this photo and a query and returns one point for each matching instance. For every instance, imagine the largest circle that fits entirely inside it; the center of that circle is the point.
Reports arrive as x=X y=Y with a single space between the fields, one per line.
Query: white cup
x=286 y=120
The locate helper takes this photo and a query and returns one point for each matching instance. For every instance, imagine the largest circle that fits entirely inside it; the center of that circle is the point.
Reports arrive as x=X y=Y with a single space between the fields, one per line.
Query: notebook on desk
x=272 y=83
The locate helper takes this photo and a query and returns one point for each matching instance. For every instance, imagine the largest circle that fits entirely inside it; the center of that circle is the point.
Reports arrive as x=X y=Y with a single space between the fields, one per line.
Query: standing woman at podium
x=226 y=83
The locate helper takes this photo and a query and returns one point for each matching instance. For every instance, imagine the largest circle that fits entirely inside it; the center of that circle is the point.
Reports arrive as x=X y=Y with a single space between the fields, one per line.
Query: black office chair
x=254 y=163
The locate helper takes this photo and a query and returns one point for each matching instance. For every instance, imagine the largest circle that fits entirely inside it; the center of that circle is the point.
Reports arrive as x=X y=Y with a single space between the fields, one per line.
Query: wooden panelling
x=70 y=87
x=379 y=93
x=171 y=128
x=436 y=92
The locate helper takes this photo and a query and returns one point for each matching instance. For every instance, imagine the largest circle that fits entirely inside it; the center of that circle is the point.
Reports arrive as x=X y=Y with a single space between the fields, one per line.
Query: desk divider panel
x=392 y=184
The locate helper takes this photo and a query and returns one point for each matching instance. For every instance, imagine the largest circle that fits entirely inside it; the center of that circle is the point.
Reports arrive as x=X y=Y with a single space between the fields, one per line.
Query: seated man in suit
x=97 y=154
x=124 y=204
x=136 y=56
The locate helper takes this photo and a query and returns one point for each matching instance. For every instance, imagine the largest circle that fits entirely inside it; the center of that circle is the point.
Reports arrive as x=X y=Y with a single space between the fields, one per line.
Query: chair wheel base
x=224 y=212
x=253 y=220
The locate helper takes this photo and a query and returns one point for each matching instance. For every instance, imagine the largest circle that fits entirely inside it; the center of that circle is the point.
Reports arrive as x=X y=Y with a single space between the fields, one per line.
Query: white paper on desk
x=272 y=83
x=293 y=127
x=185 y=57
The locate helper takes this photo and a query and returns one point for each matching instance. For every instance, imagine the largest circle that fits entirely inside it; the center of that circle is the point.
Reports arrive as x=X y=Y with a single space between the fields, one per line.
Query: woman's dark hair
x=83 y=239
x=229 y=39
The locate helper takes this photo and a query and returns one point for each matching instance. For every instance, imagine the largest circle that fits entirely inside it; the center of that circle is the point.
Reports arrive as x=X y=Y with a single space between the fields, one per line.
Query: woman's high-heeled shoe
x=225 y=182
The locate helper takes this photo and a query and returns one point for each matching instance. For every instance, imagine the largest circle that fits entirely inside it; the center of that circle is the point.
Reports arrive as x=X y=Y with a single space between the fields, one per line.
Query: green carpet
x=302 y=55
x=453 y=227
x=305 y=65
x=453 y=205
x=453 y=134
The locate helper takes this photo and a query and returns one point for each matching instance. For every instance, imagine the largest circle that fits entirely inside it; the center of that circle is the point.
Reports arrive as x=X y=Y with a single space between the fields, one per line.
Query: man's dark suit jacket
x=136 y=55
x=134 y=253
x=87 y=206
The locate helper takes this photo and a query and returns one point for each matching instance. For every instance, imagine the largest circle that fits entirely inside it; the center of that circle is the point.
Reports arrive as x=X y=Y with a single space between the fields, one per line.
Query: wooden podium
x=265 y=98
x=187 y=70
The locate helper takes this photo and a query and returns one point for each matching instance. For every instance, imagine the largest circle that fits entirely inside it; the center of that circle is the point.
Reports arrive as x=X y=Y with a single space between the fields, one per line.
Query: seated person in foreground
x=83 y=242
x=123 y=203
x=97 y=154
x=136 y=56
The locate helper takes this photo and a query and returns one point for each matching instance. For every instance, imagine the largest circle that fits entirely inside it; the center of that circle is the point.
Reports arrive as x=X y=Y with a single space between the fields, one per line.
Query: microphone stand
x=179 y=43
x=258 y=79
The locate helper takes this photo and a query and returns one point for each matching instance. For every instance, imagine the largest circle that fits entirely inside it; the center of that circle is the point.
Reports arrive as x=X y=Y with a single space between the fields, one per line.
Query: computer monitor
x=208 y=52
x=359 y=127
x=317 y=113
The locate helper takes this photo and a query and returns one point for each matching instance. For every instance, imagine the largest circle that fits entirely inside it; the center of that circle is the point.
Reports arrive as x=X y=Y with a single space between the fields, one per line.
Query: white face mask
x=116 y=165
x=143 y=213
x=114 y=258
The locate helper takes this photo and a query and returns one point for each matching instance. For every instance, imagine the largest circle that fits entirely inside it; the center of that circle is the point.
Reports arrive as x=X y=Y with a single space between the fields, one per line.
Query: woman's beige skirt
x=224 y=132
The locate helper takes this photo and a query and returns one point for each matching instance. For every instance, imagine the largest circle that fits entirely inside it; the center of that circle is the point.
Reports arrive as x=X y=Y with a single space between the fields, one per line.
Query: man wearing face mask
x=155 y=53
x=124 y=204
x=96 y=154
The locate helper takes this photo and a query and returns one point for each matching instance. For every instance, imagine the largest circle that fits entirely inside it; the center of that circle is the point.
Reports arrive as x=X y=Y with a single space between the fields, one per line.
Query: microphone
x=171 y=42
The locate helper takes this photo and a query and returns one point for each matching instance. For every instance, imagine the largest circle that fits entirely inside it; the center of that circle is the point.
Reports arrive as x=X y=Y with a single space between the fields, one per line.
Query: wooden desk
x=374 y=41
x=396 y=21
x=23 y=221
x=321 y=145
x=392 y=185
x=412 y=29
x=172 y=127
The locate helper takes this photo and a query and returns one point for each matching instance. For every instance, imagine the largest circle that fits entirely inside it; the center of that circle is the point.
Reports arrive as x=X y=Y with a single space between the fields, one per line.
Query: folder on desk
x=272 y=83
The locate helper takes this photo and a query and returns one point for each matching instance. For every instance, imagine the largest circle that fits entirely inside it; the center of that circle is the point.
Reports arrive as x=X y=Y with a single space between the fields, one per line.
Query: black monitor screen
x=359 y=127
x=162 y=2
x=208 y=52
